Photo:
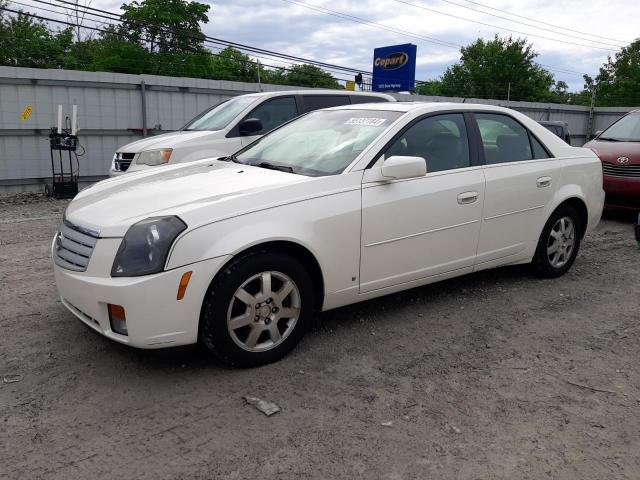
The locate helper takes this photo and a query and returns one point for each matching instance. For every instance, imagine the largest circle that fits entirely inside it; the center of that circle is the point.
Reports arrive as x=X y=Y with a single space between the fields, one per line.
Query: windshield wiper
x=609 y=139
x=271 y=166
x=232 y=158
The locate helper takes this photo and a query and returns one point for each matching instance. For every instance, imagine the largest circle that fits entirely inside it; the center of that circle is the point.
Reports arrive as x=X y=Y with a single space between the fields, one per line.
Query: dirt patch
x=492 y=375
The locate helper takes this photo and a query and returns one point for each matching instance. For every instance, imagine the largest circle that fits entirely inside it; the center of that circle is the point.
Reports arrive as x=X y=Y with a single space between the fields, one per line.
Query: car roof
x=317 y=91
x=554 y=122
x=423 y=107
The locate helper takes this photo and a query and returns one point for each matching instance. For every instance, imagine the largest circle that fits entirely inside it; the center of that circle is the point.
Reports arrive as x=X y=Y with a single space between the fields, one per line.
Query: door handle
x=467 y=197
x=543 y=182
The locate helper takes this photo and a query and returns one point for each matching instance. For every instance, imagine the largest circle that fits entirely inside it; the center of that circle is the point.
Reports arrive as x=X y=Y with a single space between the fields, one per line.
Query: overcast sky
x=282 y=26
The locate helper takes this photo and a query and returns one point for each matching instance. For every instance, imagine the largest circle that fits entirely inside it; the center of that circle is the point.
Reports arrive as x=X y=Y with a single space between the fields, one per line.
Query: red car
x=619 y=150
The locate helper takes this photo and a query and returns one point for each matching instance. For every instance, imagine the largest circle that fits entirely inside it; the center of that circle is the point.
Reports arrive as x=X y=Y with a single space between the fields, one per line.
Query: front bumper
x=622 y=192
x=155 y=318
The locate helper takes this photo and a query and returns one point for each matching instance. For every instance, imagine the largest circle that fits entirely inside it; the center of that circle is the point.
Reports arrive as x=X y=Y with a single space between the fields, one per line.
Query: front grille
x=123 y=161
x=621 y=170
x=73 y=247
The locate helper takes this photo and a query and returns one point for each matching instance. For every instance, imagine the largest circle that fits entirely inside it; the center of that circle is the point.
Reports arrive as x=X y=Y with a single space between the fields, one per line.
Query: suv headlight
x=154 y=157
x=145 y=246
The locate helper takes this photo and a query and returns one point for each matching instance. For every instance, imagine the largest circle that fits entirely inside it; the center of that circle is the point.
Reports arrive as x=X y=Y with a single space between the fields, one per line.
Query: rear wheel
x=559 y=243
x=257 y=309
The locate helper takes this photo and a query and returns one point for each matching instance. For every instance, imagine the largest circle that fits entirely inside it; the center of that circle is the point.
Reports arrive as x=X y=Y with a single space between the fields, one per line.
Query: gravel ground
x=494 y=375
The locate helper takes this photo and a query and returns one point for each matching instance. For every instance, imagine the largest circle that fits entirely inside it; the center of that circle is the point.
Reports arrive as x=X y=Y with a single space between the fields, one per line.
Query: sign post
x=394 y=68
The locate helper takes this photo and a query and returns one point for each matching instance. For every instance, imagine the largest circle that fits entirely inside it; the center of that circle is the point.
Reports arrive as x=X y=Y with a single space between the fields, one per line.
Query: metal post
x=509 y=92
x=589 y=132
x=143 y=98
x=259 y=85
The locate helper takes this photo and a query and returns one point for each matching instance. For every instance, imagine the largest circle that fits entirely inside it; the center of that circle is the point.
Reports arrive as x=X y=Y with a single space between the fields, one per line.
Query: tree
x=498 y=68
x=618 y=82
x=165 y=26
x=306 y=75
x=29 y=43
x=231 y=64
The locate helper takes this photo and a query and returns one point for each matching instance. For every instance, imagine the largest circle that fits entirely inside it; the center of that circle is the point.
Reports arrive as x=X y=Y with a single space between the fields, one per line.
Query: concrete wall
x=110 y=112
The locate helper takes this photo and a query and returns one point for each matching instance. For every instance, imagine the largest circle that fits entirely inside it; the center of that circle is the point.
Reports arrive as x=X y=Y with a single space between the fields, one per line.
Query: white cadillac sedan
x=335 y=207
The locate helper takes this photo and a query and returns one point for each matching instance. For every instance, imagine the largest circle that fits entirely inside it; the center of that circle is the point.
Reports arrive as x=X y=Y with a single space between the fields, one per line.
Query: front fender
x=327 y=226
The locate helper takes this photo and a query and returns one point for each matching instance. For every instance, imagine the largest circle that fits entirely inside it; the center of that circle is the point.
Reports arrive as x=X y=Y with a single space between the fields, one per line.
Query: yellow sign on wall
x=26 y=113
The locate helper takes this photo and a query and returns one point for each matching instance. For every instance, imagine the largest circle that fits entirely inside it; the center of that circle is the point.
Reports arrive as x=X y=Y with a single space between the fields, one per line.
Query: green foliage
x=309 y=76
x=165 y=26
x=496 y=69
x=29 y=43
x=160 y=37
x=618 y=82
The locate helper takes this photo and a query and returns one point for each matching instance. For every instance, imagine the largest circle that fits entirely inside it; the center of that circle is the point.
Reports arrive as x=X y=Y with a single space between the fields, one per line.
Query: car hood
x=610 y=151
x=166 y=140
x=111 y=206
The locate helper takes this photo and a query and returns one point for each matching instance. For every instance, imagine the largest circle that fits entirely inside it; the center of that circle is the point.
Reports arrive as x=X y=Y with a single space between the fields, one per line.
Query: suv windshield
x=219 y=116
x=627 y=129
x=321 y=143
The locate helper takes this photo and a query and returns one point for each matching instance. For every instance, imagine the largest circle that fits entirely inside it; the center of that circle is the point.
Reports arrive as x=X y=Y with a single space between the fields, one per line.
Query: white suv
x=225 y=128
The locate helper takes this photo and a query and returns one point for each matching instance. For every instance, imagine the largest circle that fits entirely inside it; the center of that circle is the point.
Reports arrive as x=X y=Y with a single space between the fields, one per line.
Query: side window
x=441 y=140
x=503 y=139
x=315 y=102
x=367 y=99
x=538 y=150
x=274 y=113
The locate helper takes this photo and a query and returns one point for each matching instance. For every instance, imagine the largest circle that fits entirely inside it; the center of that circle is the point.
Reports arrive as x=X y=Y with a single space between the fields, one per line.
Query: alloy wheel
x=263 y=311
x=561 y=242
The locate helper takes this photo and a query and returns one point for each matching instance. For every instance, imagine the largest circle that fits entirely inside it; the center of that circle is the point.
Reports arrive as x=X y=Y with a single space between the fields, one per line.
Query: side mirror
x=250 y=126
x=597 y=134
x=397 y=167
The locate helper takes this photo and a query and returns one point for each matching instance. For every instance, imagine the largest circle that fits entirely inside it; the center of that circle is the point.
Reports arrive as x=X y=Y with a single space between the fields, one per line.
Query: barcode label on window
x=366 y=121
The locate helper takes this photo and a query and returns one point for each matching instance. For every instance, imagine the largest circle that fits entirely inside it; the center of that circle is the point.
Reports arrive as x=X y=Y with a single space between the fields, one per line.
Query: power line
x=364 y=21
x=376 y=25
x=49 y=19
x=219 y=41
x=527 y=18
x=208 y=39
x=431 y=39
x=219 y=48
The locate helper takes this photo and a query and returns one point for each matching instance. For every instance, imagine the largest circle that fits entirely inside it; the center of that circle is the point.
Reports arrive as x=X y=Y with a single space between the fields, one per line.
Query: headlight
x=154 y=157
x=145 y=246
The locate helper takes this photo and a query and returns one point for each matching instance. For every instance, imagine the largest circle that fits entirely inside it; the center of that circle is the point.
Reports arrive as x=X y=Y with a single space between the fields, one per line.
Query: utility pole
x=589 y=132
x=508 y=92
x=259 y=84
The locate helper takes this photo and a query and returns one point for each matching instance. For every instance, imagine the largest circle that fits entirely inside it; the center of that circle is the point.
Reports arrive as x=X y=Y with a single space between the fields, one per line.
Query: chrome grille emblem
x=623 y=160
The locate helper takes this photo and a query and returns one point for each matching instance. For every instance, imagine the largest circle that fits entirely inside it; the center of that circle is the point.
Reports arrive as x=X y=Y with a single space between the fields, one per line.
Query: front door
x=272 y=113
x=423 y=227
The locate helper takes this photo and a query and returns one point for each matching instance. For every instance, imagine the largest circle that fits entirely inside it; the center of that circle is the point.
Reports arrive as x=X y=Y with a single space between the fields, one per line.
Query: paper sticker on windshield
x=366 y=121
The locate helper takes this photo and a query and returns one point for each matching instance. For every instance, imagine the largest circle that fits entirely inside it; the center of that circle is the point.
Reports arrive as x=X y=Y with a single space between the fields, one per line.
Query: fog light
x=117 y=319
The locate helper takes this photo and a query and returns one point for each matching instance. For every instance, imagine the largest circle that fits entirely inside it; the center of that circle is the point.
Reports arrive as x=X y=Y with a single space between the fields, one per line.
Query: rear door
x=521 y=179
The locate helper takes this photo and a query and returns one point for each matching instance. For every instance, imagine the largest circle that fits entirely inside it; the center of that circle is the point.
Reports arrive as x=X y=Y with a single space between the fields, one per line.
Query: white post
x=59 y=118
x=74 y=120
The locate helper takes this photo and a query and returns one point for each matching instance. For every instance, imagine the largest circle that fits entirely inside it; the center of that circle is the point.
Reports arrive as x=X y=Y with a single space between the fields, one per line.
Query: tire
x=257 y=309
x=558 y=244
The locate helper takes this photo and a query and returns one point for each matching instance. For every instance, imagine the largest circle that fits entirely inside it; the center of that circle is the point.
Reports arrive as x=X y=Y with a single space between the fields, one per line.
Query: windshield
x=627 y=129
x=219 y=116
x=323 y=142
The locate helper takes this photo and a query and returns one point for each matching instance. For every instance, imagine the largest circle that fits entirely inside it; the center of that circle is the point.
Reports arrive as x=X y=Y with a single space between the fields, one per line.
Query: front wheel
x=559 y=243
x=257 y=309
